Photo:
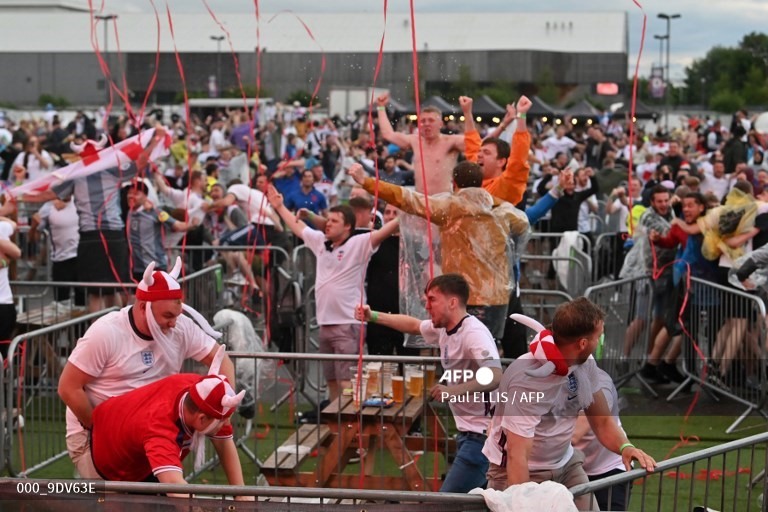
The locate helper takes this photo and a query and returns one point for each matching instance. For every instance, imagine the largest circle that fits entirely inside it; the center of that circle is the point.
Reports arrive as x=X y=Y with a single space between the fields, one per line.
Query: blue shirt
x=314 y=201
x=288 y=185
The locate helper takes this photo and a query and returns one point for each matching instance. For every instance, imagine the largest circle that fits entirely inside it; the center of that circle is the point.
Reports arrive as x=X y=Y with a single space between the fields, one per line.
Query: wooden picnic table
x=50 y=314
x=346 y=433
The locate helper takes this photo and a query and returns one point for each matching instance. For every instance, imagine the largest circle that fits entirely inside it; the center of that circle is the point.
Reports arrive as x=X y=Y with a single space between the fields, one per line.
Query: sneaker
x=714 y=378
x=671 y=372
x=355 y=459
x=651 y=373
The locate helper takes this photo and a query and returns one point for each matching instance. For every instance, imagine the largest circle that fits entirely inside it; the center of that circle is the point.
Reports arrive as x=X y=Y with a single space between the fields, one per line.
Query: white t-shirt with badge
x=468 y=346
x=340 y=271
x=550 y=422
x=120 y=360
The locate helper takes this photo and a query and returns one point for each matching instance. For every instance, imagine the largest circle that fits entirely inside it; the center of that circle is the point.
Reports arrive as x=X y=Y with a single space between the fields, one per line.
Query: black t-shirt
x=383 y=277
x=673 y=162
x=761 y=222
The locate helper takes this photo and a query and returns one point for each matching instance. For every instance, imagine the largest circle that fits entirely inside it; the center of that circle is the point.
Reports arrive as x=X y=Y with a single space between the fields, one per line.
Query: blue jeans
x=469 y=468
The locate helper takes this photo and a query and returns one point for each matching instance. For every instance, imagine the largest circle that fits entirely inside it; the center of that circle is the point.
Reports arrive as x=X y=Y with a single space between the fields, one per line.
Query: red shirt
x=675 y=237
x=142 y=432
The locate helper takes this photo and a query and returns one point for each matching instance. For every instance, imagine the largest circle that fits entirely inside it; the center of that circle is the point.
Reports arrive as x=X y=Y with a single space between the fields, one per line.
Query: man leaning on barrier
x=130 y=348
x=466 y=346
x=145 y=434
x=530 y=439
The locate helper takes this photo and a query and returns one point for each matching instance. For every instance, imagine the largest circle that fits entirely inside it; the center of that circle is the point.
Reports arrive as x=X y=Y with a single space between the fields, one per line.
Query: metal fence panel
x=628 y=309
x=35 y=362
x=725 y=349
x=726 y=477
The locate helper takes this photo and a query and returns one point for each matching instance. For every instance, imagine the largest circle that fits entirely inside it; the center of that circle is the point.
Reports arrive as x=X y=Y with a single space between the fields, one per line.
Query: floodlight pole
x=667 y=93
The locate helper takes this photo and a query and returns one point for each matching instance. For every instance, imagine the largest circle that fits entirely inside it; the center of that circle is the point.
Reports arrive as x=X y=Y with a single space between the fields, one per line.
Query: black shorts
x=675 y=311
x=64 y=271
x=663 y=295
x=7 y=325
x=97 y=265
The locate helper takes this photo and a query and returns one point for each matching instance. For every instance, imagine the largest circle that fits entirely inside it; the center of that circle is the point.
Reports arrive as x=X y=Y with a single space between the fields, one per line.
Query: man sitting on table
x=144 y=435
x=465 y=344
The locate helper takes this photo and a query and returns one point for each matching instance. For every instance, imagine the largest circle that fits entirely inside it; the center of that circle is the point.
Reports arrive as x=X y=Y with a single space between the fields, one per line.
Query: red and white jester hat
x=215 y=397
x=543 y=349
x=160 y=285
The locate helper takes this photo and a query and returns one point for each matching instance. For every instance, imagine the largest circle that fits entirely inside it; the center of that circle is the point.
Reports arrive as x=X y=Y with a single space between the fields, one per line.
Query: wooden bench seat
x=290 y=455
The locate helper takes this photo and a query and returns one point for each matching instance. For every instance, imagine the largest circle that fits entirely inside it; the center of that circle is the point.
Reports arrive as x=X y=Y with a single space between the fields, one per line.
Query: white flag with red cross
x=94 y=160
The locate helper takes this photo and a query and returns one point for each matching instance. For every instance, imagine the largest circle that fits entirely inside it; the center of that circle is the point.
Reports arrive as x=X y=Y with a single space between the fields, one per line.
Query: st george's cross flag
x=92 y=161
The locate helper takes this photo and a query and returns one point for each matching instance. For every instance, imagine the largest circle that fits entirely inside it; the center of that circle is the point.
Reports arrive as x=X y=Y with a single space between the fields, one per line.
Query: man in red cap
x=145 y=434
x=131 y=348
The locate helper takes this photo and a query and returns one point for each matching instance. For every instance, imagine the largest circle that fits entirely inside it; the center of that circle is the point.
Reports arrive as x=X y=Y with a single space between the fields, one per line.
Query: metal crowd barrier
x=37 y=307
x=202 y=290
x=150 y=496
x=304 y=264
x=607 y=256
x=273 y=279
x=35 y=362
x=726 y=477
x=39 y=356
x=579 y=270
x=729 y=328
x=541 y=304
x=628 y=309
x=35 y=261
x=544 y=243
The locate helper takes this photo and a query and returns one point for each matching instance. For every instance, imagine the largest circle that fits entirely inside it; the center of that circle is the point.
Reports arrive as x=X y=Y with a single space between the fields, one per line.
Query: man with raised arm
x=440 y=154
x=479 y=227
x=466 y=346
x=341 y=263
x=505 y=171
x=441 y=151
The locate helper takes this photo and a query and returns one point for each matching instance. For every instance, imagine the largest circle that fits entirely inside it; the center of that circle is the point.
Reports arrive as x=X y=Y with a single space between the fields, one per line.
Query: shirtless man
x=441 y=151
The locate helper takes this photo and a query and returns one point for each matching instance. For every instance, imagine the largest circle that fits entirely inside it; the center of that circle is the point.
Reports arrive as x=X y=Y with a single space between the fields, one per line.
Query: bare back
x=440 y=157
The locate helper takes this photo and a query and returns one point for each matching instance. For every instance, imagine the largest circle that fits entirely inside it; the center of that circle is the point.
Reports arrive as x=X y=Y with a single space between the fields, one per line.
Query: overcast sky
x=704 y=23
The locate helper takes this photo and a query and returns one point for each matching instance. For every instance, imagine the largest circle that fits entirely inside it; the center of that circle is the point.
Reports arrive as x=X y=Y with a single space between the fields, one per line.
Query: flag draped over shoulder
x=120 y=155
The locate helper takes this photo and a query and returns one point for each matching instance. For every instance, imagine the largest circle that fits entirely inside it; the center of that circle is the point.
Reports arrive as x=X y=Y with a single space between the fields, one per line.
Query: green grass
x=657 y=435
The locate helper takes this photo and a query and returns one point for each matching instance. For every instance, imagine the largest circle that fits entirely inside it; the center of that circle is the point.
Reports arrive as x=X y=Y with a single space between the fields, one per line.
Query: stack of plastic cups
x=359 y=390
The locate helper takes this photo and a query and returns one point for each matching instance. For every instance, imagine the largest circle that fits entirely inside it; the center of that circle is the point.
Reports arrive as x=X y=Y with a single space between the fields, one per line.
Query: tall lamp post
x=669 y=18
x=661 y=40
x=218 y=40
x=106 y=18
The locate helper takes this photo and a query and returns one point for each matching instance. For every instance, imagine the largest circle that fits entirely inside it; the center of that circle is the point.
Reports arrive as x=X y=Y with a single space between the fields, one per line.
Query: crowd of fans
x=694 y=195
x=209 y=190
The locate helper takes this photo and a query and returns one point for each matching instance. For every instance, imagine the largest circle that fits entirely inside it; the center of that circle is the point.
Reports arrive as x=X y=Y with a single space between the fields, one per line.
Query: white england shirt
x=120 y=359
